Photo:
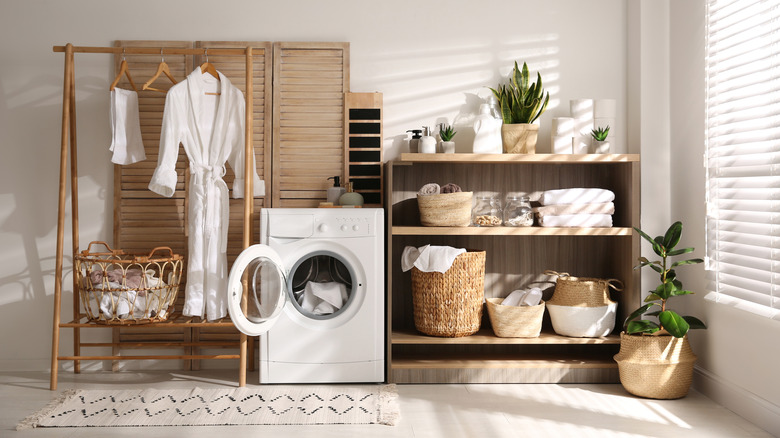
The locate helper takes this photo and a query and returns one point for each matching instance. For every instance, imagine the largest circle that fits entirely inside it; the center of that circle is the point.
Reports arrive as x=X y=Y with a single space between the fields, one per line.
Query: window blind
x=743 y=153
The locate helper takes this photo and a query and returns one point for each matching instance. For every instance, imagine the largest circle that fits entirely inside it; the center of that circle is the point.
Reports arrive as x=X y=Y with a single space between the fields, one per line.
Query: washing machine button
x=356 y=227
x=324 y=228
x=344 y=228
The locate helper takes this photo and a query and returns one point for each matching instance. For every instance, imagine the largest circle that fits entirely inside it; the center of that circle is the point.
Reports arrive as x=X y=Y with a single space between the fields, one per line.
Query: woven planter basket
x=445 y=210
x=515 y=321
x=658 y=367
x=450 y=304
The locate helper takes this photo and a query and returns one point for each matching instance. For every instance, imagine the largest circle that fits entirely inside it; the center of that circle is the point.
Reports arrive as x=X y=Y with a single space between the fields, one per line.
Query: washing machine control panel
x=342 y=226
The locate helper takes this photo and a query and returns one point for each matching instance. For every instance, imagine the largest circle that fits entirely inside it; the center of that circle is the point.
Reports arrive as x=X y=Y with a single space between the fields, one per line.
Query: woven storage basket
x=582 y=291
x=445 y=210
x=121 y=289
x=655 y=366
x=450 y=304
x=515 y=321
x=581 y=308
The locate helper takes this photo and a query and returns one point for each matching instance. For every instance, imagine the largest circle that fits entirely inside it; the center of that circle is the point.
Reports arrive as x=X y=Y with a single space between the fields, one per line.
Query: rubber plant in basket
x=521 y=102
x=655 y=359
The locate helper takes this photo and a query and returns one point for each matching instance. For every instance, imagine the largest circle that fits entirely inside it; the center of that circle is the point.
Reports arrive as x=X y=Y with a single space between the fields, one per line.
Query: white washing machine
x=315 y=295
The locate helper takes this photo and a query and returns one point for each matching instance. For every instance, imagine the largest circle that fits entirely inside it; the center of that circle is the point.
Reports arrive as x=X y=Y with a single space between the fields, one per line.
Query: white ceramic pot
x=448 y=147
x=599 y=147
x=583 y=322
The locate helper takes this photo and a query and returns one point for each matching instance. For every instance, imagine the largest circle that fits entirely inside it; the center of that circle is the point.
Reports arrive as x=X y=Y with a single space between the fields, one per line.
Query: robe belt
x=216 y=202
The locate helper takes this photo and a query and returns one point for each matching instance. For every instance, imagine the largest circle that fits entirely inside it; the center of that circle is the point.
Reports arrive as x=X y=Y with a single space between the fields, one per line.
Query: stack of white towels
x=576 y=207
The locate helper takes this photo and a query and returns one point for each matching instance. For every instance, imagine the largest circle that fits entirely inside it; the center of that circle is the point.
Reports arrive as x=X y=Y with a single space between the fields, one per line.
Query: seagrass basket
x=445 y=209
x=581 y=307
x=449 y=304
x=582 y=291
x=123 y=289
x=659 y=367
x=515 y=321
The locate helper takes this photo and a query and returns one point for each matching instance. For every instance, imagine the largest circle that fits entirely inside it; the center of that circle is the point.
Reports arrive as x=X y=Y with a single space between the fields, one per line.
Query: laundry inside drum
x=321 y=285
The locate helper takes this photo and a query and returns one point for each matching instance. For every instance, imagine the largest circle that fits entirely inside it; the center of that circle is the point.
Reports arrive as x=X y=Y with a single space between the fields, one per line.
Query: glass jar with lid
x=487 y=212
x=518 y=212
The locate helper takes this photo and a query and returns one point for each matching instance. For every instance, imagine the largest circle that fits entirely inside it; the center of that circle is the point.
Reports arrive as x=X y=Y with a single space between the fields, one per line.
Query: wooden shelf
x=486 y=336
x=544 y=362
x=517 y=158
x=508 y=231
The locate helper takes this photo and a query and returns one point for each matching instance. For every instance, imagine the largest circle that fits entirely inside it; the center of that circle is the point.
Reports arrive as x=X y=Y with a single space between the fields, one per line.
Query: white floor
x=452 y=411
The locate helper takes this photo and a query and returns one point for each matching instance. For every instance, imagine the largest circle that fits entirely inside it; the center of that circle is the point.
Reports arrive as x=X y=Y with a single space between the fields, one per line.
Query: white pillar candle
x=582 y=113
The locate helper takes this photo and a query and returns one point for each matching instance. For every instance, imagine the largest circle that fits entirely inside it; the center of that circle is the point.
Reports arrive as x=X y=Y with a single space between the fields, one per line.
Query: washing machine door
x=266 y=293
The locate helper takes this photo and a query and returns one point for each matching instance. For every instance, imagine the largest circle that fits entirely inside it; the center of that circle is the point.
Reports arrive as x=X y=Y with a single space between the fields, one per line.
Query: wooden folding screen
x=310 y=80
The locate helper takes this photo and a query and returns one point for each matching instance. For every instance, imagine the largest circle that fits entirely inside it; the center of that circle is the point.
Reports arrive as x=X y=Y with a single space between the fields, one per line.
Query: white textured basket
x=583 y=322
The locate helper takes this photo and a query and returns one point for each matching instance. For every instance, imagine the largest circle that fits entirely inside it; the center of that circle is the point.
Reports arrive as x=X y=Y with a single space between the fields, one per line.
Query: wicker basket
x=119 y=288
x=445 y=210
x=450 y=304
x=582 y=291
x=515 y=321
x=655 y=366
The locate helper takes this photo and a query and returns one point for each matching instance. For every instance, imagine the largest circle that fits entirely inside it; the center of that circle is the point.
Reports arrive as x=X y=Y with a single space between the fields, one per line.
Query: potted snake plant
x=521 y=103
x=655 y=359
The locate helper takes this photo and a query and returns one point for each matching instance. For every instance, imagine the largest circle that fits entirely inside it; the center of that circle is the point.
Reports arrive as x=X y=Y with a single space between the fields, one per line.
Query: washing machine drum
x=261 y=267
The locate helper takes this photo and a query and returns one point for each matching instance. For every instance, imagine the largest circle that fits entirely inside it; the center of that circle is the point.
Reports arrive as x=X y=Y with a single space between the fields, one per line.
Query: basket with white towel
x=120 y=288
x=576 y=207
x=519 y=315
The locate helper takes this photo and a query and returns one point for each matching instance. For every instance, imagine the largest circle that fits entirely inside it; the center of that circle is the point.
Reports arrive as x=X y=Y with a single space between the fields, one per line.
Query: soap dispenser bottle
x=350 y=197
x=335 y=192
x=427 y=142
x=414 y=142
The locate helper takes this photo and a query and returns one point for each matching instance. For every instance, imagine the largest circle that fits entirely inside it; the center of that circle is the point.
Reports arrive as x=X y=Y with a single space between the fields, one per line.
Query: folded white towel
x=527 y=297
x=577 y=220
x=429 y=258
x=561 y=209
x=323 y=298
x=576 y=196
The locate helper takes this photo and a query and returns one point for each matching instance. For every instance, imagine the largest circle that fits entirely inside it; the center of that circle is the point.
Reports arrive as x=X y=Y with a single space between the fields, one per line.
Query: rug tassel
x=33 y=420
x=388 y=408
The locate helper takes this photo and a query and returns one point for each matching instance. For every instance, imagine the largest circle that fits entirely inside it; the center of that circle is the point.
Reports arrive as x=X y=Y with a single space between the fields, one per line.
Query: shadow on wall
x=448 y=84
x=30 y=121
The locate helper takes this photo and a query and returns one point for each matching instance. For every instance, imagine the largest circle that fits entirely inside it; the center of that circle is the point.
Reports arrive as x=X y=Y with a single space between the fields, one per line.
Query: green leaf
x=664 y=290
x=506 y=109
x=677 y=252
x=687 y=262
x=642 y=326
x=636 y=313
x=656 y=247
x=694 y=322
x=673 y=323
x=656 y=313
x=672 y=236
x=652 y=297
x=678 y=292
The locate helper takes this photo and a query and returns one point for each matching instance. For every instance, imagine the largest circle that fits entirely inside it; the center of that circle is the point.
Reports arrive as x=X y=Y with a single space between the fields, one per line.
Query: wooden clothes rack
x=68 y=148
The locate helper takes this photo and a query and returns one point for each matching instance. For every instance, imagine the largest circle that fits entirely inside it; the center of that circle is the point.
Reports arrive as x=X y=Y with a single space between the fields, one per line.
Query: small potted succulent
x=600 y=143
x=521 y=102
x=447 y=132
x=655 y=359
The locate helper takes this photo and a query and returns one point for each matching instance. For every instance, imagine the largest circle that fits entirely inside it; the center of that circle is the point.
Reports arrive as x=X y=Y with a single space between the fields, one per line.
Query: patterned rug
x=326 y=404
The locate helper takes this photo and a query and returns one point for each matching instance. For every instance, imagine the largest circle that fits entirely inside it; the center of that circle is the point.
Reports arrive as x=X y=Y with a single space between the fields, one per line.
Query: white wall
x=738 y=353
x=431 y=59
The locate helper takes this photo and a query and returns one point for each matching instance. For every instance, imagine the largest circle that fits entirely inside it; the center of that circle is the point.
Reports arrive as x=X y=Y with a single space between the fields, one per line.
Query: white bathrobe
x=211 y=129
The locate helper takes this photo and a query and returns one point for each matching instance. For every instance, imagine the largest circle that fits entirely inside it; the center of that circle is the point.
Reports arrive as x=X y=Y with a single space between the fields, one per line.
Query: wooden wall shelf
x=516 y=257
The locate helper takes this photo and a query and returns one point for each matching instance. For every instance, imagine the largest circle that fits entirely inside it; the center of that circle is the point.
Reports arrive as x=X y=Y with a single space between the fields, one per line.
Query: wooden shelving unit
x=516 y=257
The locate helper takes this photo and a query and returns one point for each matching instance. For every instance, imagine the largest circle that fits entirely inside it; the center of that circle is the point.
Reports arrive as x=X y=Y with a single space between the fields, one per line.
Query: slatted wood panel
x=363 y=145
x=310 y=80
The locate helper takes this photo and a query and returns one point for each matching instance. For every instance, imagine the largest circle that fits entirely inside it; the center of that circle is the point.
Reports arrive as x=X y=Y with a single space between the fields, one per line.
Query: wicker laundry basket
x=581 y=307
x=123 y=289
x=445 y=209
x=658 y=367
x=449 y=304
x=515 y=321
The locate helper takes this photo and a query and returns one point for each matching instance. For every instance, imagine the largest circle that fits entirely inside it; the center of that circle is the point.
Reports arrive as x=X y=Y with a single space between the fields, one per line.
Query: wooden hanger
x=162 y=68
x=123 y=70
x=209 y=68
